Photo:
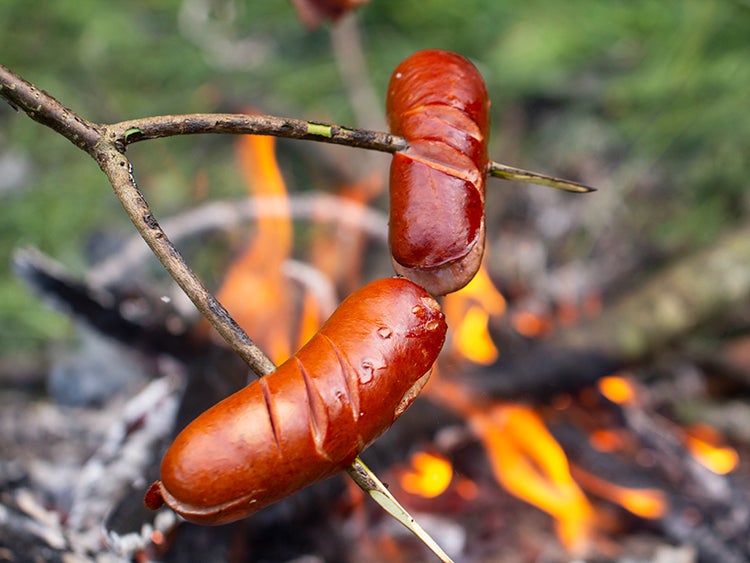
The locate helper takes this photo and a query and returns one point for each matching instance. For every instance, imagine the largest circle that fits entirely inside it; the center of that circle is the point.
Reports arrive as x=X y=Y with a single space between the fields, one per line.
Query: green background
x=653 y=95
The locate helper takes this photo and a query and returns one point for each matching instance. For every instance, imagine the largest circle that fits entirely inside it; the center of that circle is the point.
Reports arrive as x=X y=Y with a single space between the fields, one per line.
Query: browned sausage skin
x=313 y=415
x=438 y=102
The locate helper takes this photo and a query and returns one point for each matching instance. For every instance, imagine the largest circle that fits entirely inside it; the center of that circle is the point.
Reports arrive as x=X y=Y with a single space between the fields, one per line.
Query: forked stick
x=107 y=143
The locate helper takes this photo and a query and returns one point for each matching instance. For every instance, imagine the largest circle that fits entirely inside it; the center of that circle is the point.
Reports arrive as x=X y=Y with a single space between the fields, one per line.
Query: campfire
x=555 y=469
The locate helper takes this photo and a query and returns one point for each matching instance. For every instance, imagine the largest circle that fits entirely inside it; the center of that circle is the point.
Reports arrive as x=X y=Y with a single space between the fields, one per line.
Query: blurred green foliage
x=655 y=93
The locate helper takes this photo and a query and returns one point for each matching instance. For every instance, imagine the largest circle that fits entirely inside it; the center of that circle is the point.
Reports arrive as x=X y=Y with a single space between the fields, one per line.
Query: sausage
x=311 y=417
x=314 y=12
x=438 y=102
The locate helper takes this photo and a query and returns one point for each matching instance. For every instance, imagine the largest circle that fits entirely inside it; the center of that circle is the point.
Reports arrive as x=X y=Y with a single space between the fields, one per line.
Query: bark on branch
x=227 y=123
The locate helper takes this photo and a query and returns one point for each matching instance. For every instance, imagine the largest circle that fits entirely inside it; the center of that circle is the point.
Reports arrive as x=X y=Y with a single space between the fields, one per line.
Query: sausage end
x=153 y=499
x=449 y=277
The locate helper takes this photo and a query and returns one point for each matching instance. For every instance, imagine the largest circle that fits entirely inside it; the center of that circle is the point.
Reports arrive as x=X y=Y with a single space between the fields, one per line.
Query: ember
x=531 y=325
x=616 y=389
x=429 y=476
x=706 y=445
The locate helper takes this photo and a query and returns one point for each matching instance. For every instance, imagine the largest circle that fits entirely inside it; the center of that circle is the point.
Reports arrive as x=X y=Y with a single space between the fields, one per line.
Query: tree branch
x=136 y=130
x=107 y=143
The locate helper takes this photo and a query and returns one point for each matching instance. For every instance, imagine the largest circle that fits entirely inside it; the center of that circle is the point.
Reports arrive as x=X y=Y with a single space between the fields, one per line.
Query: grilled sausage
x=310 y=418
x=438 y=102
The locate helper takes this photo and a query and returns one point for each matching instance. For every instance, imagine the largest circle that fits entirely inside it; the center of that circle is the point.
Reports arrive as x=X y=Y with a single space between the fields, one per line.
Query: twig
x=106 y=144
x=45 y=109
x=135 y=130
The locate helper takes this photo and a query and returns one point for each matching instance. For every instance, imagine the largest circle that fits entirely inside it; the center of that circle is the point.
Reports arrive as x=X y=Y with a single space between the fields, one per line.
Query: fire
x=524 y=456
x=646 y=503
x=529 y=463
x=429 y=475
x=705 y=444
x=471 y=337
x=310 y=319
x=525 y=459
x=469 y=311
x=254 y=289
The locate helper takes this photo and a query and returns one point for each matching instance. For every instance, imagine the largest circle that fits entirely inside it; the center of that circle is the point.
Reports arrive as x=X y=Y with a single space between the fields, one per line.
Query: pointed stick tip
x=520 y=175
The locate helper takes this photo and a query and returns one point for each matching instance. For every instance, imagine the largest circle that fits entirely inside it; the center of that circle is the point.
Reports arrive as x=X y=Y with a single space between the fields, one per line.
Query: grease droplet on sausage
x=385 y=332
x=367 y=371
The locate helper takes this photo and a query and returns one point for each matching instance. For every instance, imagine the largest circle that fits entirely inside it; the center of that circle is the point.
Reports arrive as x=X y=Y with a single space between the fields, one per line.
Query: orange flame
x=469 y=310
x=310 y=319
x=429 y=475
x=525 y=459
x=646 y=503
x=705 y=444
x=256 y=157
x=529 y=463
x=254 y=289
x=471 y=338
